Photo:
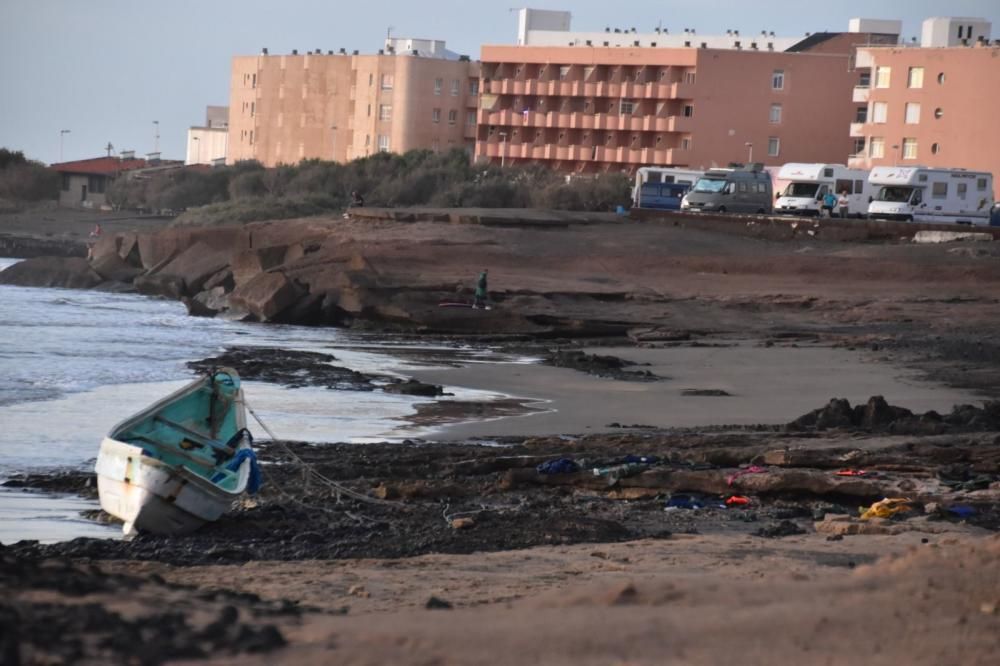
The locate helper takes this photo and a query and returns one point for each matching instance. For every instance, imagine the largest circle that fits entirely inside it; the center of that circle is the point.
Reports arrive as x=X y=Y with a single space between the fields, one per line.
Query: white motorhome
x=658 y=187
x=809 y=183
x=921 y=194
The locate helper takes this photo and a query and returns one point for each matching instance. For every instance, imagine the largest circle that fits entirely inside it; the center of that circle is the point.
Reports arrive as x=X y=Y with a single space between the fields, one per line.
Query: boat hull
x=150 y=496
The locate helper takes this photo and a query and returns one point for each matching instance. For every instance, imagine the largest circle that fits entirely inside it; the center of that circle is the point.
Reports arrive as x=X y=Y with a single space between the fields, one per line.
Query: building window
x=627 y=107
x=369 y=110
x=383 y=143
x=253 y=108
x=939 y=190
x=909 y=149
x=865 y=80
x=773 y=146
x=438 y=84
x=689 y=77
x=859 y=147
x=688 y=110
x=861 y=114
x=915 y=78
x=436 y=115
x=563 y=72
x=473 y=86
x=385 y=112
x=940 y=78
x=876 y=147
x=685 y=144
x=371 y=79
x=452 y=116
x=912 y=113
x=880 y=111
x=387 y=82
x=454 y=87
x=775 y=116
x=251 y=137
x=253 y=83
x=778 y=79
x=938 y=112
x=470 y=118
x=882 y=77
x=368 y=140
x=935 y=148
x=65 y=182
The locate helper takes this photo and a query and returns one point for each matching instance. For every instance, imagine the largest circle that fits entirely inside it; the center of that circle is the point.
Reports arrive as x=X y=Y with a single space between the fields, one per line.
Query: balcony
x=533 y=87
x=861 y=94
x=857 y=129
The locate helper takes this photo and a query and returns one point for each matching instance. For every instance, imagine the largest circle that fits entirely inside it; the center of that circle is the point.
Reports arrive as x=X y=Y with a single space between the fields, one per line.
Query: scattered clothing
x=558 y=466
x=962 y=510
x=646 y=460
x=885 y=508
x=737 y=500
x=254 y=481
x=852 y=472
x=752 y=469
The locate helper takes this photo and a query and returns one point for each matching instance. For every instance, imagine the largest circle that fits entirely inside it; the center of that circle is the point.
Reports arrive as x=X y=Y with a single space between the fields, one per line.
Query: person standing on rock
x=481 y=291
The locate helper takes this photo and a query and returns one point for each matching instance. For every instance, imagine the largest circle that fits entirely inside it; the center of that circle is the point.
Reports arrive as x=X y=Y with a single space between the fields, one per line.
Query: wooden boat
x=182 y=461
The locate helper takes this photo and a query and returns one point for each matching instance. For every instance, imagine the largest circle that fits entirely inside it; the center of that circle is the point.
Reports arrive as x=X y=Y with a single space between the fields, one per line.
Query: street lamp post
x=895 y=154
x=503 y=149
x=749 y=146
x=62 y=133
x=197 y=159
x=333 y=143
x=156 y=136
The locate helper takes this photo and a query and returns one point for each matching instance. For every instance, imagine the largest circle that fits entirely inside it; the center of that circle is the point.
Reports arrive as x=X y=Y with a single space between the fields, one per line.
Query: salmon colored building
x=937 y=105
x=339 y=106
x=619 y=100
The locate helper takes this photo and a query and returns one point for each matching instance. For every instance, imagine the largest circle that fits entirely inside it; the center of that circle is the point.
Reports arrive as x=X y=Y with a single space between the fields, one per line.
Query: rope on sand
x=310 y=469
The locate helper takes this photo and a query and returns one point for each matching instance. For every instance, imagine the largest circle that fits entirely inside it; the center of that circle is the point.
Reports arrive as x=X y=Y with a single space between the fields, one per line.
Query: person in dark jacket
x=482 y=291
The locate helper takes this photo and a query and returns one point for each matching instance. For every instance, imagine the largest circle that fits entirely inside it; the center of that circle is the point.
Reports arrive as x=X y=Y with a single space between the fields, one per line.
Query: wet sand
x=765 y=385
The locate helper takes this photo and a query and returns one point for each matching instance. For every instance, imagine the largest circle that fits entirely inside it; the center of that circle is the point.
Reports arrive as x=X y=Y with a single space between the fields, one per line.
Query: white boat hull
x=151 y=496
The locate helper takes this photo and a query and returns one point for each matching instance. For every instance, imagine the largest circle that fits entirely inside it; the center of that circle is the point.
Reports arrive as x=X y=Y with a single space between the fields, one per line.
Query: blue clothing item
x=829 y=200
x=648 y=460
x=962 y=510
x=255 y=481
x=558 y=466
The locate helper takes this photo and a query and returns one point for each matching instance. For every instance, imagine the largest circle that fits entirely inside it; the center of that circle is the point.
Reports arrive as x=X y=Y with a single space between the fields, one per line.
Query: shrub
x=22 y=179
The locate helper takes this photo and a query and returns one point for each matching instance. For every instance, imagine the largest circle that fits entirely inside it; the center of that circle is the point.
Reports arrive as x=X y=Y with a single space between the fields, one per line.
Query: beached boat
x=182 y=461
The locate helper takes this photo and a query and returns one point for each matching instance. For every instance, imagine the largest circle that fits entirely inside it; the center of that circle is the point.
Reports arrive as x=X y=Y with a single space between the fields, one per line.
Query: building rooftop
x=100 y=166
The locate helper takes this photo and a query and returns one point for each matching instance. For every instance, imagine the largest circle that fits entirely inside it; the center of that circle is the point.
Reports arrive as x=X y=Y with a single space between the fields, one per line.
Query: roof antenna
x=109 y=148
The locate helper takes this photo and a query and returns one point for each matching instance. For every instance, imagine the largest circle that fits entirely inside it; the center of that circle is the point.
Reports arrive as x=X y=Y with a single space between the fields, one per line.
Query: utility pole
x=62 y=133
x=503 y=149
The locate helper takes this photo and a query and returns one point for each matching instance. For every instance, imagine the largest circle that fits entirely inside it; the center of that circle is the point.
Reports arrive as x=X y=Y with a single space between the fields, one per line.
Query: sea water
x=73 y=363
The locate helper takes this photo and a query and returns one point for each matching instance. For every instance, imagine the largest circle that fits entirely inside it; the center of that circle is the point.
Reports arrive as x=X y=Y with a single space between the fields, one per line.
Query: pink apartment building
x=935 y=105
x=339 y=106
x=590 y=102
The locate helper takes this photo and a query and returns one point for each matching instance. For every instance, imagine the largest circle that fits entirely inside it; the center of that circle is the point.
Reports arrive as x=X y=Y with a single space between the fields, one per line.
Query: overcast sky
x=106 y=69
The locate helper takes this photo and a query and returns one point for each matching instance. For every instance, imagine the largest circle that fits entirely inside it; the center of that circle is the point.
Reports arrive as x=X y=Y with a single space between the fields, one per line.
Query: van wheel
x=761 y=211
x=722 y=209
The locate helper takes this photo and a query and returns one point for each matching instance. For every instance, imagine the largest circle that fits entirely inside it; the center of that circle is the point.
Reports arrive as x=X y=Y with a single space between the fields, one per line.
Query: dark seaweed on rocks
x=879 y=416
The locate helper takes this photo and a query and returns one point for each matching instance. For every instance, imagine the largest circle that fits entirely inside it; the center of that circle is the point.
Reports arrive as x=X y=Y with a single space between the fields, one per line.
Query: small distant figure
x=96 y=231
x=481 y=291
x=357 y=201
x=842 y=203
x=829 y=203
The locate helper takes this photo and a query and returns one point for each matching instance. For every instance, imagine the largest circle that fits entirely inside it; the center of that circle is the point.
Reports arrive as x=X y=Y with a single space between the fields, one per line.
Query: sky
x=107 y=69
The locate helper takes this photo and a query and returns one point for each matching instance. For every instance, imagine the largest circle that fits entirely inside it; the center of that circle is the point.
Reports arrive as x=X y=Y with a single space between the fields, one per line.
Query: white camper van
x=920 y=194
x=808 y=183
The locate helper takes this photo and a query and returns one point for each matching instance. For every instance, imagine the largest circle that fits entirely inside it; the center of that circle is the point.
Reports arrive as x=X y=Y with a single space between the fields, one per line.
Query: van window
x=981 y=184
x=828 y=173
x=859 y=186
x=743 y=187
x=842 y=185
x=962 y=189
x=654 y=177
x=762 y=188
x=939 y=191
x=709 y=185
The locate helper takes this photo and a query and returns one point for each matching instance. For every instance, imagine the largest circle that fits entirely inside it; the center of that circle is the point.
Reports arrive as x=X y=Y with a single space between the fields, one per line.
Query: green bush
x=22 y=179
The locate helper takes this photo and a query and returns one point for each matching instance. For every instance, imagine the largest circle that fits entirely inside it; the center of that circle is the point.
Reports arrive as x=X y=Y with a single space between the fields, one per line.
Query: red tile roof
x=101 y=166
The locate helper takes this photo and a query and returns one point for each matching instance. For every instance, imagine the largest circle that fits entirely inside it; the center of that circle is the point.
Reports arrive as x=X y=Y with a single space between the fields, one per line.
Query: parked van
x=920 y=194
x=808 y=183
x=662 y=187
x=733 y=190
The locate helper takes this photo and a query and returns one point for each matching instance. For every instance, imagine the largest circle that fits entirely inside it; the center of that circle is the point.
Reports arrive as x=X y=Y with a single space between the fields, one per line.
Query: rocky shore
x=643 y=544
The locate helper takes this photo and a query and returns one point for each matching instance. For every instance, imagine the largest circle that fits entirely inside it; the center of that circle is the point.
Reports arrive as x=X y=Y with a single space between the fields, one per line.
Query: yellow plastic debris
x=885 y=508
